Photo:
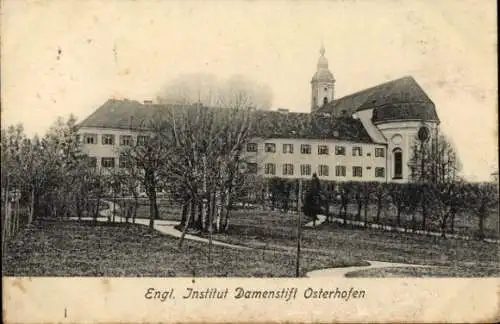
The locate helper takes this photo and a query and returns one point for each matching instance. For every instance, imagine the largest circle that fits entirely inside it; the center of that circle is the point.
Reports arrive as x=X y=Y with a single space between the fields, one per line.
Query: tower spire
x=322 y=83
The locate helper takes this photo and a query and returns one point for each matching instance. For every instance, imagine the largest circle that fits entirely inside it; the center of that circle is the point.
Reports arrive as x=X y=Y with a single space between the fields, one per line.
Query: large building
x=364 y=136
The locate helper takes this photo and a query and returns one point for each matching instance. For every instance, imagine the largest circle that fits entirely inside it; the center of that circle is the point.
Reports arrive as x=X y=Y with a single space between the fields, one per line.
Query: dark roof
x=400 y=99
x=272 y=124
x=122 y=114
x=129 y=114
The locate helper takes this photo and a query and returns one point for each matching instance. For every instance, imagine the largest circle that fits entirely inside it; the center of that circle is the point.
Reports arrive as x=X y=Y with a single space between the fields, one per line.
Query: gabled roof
x=400 y=99
x=272 y=124
x=122 y=114
x=114 y=113
x=133 y=115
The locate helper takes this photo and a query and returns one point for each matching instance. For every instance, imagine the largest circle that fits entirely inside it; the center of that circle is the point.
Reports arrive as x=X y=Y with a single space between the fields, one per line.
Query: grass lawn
x=465 y=224
x=71 y=248
x=249 y=227
x=421 y=272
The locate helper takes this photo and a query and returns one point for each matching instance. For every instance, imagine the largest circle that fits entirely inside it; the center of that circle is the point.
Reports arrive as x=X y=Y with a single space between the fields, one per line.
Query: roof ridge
x=376 y=86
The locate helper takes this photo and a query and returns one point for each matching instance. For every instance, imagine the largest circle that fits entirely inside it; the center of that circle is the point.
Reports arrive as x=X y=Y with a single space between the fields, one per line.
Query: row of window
x=307 y=148
x=323 y=170
x=109 y=139
x=269 y=168
x=109 y=162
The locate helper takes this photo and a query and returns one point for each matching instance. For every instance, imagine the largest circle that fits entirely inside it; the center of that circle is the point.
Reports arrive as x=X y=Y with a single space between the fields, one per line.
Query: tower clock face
x=423 y=134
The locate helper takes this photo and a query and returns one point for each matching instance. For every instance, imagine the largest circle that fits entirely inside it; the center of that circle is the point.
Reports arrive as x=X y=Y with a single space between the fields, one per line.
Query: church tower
x=322 y=83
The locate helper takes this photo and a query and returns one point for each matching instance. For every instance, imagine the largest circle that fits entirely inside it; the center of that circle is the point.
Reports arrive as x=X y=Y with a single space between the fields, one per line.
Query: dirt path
x=341 y=272
x=167 y=227
x=321 y=220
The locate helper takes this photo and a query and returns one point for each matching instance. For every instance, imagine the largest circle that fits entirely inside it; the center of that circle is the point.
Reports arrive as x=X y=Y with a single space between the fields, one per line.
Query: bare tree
x=149 y=156
x=482 y=200
x=433 y=161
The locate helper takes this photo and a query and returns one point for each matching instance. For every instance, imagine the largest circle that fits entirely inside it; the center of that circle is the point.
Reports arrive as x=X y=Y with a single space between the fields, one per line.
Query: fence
x=15 y=216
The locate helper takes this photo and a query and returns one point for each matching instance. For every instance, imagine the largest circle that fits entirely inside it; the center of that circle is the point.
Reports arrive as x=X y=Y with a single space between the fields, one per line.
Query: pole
x=299 y=201
x=32 y=209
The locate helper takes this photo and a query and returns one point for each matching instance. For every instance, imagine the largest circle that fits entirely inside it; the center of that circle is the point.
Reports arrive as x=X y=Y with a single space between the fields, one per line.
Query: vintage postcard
x=249 y=161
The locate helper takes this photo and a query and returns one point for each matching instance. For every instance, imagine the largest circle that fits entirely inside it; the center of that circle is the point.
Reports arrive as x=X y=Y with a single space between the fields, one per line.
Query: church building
x=364 y=136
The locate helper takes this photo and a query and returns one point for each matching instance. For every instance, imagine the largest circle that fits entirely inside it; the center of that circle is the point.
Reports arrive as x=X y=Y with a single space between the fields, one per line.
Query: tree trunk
x=78 y=209
x=188 y=220
x=211 y=206
x=452 y=225
x=481 y=225
x=228 y=202
x=398 y=215
x=32 y=206
x=194 y=207
x=98 y=202
x=413 y=222
x=114 y=205
x=205 y=212
x=424 y=214
x=136 y=206
x=443 y=226
x=365 y=206
x=184 y=213
x=157 y=212
x=379 y=210
x=299 y=227
x=151 y=212
x=358 y=214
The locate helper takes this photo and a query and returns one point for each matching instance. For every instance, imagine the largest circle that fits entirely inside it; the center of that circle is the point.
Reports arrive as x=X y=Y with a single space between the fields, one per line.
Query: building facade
x=364 y=136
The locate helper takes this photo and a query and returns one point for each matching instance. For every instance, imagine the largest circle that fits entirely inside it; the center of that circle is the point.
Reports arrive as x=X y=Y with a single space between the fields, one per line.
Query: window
x=305 y=169
x=124 y=161
x=108 y=162
x=398 y=164
x=339 y=150
x=251 y=167
x=270 y=168
x=78 y=138
x=325 y=100
x=108 y=139
x=90 y=138
x=125 y=140
x=142 y=139
x=322 y=149
x=270 y=147
x=251 y=147
x=357 y=151
x=379 y=172
x=288 y=148
x=323 y=170
x=357 y=171
x=340 y=171
x=379 y=152
x=287 y=169
x=305 y=149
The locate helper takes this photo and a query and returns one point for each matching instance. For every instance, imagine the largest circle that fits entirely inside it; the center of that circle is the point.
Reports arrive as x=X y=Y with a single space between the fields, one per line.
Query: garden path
x=167 y=227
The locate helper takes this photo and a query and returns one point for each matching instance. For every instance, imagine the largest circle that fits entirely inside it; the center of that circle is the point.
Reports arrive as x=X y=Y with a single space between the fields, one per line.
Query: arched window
x=325 y=100
x=397 y=155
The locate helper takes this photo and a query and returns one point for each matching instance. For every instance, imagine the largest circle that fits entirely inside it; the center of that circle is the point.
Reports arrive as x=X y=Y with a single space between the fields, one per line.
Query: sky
x=61 y=57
